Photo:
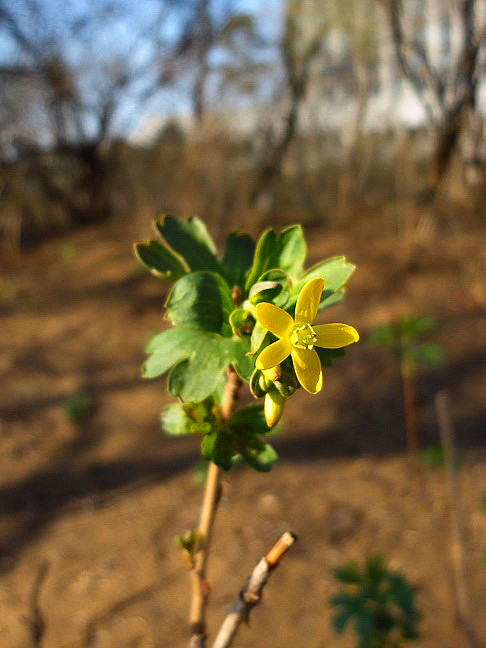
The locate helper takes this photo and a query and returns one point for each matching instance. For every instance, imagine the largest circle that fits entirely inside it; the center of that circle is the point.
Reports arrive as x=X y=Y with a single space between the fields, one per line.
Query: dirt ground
x=89 y=510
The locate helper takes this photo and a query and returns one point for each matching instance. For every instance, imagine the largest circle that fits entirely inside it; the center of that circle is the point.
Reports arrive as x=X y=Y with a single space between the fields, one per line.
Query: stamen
x=303 y=336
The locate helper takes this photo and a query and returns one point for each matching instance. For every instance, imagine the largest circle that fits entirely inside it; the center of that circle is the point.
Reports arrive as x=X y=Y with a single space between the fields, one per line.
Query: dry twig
x=463 y=598
x=251 y=593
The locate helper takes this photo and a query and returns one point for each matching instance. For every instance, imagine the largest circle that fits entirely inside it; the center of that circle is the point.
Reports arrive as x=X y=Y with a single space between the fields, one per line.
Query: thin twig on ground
x=251 y=593
x=35 y=619
x=212 y=493
x=463 y=598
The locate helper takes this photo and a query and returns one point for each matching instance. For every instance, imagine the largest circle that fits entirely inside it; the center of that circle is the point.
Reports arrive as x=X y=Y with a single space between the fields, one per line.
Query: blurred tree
x=300 y=43
x=440 y=47
x=83 y=73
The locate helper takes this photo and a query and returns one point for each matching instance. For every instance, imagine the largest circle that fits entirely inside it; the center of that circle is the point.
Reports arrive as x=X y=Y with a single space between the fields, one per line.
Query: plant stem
x=212 y=493
x=410 y=404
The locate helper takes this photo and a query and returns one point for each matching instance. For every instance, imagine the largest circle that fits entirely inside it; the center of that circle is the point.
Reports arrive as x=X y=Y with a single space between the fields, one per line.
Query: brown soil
x=89 y=510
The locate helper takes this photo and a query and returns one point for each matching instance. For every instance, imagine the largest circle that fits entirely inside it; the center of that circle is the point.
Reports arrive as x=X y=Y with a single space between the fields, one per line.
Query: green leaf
x=429 y=353
x=169 y=347
x=285 y=251
x=207 y=445
x=249 y=420
x=335 y=272
x=217 y=447
x=241 y=321
x=244 y=364
x=237 y=258
x=384 y=335
x=201 y=300
x=161 y=261
x=348 y=573
x=340 y=621
x=293 y=250
x=257 y=389
x=190 y=238
x=259 y=455
x=331 y=299
x=272 y=286
x=258 y=337
x=175 y=421
x=198 y=376
x=412 y=327
x=200 y=358
x=265 y=256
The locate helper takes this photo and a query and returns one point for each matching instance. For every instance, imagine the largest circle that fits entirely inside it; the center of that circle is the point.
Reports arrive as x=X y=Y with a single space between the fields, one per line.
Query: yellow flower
x=298 y=337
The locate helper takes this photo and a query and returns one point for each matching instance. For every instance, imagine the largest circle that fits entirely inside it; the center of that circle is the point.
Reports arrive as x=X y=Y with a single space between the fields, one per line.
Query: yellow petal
x=273 y=354
x=308 y=301
x=273 y=318
x=307 y=367
x=335 y=336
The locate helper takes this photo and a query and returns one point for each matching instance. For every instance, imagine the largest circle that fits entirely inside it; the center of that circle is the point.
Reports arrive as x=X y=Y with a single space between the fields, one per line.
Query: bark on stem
x=251 y=593
x=200 y=587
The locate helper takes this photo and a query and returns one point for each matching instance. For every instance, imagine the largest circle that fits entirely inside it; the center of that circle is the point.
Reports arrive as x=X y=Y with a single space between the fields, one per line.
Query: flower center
x=303 y=336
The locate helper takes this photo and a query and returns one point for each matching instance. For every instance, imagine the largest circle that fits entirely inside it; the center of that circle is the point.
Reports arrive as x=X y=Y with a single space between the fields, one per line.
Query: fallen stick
x=251 y=593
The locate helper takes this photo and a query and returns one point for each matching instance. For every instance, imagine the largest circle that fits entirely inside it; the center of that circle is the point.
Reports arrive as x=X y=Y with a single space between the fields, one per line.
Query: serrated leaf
x=201 y=300
x=161 y=262
x=198 y=376
x=200 y=358
x=237 y=258
x=190 y=238
x=169 y=347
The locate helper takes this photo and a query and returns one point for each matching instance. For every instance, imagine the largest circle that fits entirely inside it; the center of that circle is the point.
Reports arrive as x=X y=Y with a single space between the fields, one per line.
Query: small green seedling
x=378 y=603
x=404 y=338
x=78 y=407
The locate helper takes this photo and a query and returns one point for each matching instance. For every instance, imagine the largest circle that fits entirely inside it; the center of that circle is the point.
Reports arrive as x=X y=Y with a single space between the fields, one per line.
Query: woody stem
x=212 y=493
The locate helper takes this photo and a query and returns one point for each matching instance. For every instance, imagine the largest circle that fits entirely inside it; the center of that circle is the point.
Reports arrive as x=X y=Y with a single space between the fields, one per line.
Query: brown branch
x=463 y=598
x=200 y=587
x=251 y=593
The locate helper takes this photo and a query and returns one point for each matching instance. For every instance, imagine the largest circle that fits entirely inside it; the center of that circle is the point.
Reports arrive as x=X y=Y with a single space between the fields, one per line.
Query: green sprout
x=378 y=603
x=78 y=407
x=404 y=338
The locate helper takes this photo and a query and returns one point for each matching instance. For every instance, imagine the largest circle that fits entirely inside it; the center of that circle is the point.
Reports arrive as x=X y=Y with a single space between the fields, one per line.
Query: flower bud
x=273 y=407
x=273 y=374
